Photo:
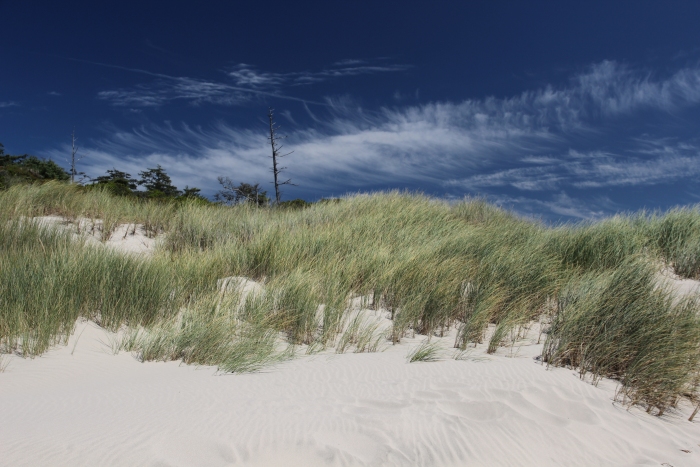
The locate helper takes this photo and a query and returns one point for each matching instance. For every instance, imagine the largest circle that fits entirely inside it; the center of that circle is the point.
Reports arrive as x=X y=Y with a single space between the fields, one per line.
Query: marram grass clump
x=48 y=280
x=425 y=352
x=429 y=265
x=622 y=324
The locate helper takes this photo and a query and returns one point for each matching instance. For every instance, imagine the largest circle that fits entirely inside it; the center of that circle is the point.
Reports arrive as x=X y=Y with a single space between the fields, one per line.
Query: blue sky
x=557 y=110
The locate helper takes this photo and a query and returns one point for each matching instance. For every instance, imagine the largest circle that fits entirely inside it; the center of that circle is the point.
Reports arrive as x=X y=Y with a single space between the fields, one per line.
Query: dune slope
x=81 y=405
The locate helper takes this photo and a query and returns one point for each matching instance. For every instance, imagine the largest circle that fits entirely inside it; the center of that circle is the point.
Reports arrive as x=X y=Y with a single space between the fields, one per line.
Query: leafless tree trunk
x=73 y=159
x=276 y=169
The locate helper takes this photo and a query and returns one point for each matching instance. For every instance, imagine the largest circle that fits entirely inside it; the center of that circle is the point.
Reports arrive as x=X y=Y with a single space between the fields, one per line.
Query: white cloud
x=187 y=89
x=246 y=75
x=558 y=206
x=594 y=169
x=246 y=83
x=526 y=178
x=349 y=62
x=618 y=89
x=598 y=173
x=539 y=141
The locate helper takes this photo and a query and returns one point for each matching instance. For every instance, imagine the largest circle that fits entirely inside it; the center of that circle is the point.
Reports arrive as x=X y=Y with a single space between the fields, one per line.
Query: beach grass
x=621 y=324
x=425 y=352
x=432 y=266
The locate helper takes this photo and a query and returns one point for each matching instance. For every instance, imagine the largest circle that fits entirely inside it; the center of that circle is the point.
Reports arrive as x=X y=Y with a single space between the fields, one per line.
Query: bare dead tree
x=73 y=159
x=276 y=147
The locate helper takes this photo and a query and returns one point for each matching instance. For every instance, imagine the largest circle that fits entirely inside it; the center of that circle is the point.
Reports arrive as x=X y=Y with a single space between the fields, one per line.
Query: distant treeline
x=153 y=184
x=26 y=168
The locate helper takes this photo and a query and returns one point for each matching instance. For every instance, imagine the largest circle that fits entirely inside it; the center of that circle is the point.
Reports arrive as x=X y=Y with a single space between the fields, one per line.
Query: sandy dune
x=126 y=238
x=80 y=405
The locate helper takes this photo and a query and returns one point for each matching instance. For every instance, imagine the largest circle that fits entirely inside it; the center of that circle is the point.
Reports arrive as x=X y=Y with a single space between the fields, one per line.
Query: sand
x=84 y=405
x=81 y=405
x=126 y=238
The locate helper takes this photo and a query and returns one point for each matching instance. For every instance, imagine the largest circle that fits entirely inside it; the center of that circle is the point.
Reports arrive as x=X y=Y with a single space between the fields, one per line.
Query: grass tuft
x=623 y=325
x=428 y=265
x=425 y=352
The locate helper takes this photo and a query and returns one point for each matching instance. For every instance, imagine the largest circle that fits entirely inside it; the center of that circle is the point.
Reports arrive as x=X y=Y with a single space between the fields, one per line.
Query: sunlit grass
x=425 y=352
x=428 y=265
x=621 y=324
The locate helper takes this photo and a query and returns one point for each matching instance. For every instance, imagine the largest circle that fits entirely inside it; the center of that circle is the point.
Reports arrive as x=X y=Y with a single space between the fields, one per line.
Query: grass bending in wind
x=621 y=324
x=432 y=266
x=425 y=352
x=209 y=331
x=48 y=280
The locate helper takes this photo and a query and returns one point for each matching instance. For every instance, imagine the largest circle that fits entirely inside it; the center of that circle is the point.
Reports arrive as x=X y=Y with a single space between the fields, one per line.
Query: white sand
x=680 y=287
x=95 y=408
x=126 y=238
x=81 y=405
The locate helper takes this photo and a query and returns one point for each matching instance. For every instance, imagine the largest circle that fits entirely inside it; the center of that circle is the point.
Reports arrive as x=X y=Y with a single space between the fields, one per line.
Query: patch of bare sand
x=126 y=238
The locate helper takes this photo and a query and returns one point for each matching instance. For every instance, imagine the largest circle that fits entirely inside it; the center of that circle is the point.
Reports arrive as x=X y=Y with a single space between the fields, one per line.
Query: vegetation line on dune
x=429 y=265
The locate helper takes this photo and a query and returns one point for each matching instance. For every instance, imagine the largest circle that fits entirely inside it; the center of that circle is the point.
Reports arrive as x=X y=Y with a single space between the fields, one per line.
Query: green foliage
x=248 y=193
x=117 y=176
x=478 y=211
x=116 y=182
x=44 y=169
x=329 y=200
x=158 y=183
x=294 y=204
x=116 y=188
x=232 y=194
x=193 y=195
x=26 y=168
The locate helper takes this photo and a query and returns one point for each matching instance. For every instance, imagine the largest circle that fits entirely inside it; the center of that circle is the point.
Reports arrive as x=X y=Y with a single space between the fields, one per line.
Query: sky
x=560 y=111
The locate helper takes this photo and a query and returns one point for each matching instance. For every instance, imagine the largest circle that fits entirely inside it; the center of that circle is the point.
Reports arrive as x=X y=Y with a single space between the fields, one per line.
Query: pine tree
x=157 y=183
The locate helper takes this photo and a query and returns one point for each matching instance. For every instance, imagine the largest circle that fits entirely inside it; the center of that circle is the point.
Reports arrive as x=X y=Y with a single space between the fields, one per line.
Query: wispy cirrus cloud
x=616 y=88
x=247 y=75
x=532 y=150
x=559 y=204
x=164 y=90
x=245 y=83
x=8 y=104
x=594 y=169
x=349 y=62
